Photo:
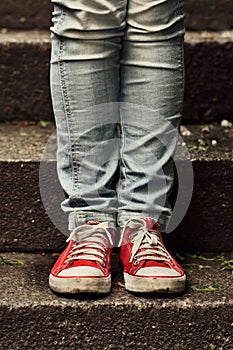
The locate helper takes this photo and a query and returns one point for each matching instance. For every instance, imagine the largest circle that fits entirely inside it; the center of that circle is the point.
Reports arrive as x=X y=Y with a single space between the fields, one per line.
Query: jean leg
x=86 y=41
x=152 y=86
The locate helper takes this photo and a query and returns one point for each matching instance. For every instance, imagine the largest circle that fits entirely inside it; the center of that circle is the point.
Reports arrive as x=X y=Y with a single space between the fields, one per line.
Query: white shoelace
x=153 y=248
x=89 y=239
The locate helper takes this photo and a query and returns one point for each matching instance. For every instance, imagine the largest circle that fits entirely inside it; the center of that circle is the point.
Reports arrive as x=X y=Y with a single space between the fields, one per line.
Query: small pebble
x=205 y=129
x=226 y=124
x=201 y=142
x=214 y=142
x=22 y=19
x=184 y=131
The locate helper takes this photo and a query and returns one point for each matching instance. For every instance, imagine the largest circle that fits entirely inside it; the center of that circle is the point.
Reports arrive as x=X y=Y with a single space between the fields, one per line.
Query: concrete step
x=208 y=15
x=25 y=226
x=34 y=318
x=24 y=76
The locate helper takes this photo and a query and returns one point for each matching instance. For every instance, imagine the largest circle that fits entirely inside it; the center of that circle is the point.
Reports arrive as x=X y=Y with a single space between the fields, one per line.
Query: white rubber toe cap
x=157 y=271
x=81 y=271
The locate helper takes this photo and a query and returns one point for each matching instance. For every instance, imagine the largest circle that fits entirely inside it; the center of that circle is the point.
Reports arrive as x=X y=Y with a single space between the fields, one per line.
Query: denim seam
x=122 y=163
x=182 y=75
x=68 y=115
x=180 y=12
x=63 y=14
x=67 y=109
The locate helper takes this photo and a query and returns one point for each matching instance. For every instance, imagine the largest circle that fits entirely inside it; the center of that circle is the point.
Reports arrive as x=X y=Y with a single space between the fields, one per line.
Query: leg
x=86 y=40
x=152 y=84
x=151 y=103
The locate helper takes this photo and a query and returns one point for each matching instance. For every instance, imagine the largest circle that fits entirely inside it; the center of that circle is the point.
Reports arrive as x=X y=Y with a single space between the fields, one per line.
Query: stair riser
x=210 y=15
x=207 y=225
x=51 y=327
x=26 y=94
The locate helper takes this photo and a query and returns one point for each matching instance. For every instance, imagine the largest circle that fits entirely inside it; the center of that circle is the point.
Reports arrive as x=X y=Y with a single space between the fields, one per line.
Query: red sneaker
x=85 y=264
x=148 y=266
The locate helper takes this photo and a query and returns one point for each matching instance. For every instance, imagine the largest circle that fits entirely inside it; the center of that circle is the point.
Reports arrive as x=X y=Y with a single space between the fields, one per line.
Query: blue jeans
x=117 y=83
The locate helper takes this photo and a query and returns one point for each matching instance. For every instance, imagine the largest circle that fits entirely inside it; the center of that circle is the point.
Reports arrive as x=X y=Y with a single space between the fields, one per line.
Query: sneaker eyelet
x=136 y=260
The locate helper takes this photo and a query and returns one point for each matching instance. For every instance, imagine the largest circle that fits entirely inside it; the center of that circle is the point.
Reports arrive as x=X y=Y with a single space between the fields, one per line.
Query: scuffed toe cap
x=81 y=271
x=157 y=272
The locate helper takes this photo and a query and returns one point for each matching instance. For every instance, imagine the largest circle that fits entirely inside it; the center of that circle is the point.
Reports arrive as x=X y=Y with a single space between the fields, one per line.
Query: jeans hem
x=163 y=220
x=77 y=218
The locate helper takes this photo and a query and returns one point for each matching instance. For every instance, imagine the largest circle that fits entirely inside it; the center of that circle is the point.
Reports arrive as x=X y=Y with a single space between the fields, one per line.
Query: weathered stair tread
x=43 y=36
x=32 y=279
x=22 y=141
x=32 y=314
x=8 y=37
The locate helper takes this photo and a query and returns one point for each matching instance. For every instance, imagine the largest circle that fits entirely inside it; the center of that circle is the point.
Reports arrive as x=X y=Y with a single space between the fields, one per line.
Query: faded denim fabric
x=117 y=84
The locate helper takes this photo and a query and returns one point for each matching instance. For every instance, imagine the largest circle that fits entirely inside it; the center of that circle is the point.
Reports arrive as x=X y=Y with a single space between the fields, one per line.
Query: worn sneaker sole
x=154 y=284
x=75 y=285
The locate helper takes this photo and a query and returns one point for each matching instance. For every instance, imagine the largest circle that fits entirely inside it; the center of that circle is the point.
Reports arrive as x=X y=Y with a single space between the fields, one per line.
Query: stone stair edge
x=43 y=36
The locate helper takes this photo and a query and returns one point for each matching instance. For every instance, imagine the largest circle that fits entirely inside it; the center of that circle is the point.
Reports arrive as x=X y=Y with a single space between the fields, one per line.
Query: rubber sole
x=154 y=284
x=80 y=285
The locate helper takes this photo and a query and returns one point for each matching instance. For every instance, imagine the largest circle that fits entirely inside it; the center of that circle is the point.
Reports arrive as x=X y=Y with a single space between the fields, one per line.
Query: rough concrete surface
x=24 y=76
x=32 y=141
x=34 y=318
x=25 y=141
x=208 y=15
x=25 y=225
x=25 y=14
x=208 y=85
x=29 y=14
